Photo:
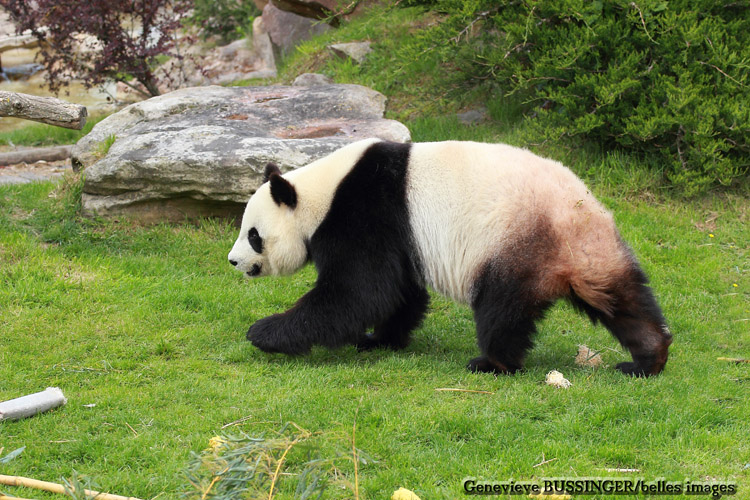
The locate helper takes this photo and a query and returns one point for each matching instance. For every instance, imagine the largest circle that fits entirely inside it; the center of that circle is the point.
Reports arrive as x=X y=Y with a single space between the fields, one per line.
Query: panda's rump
x=475 y=207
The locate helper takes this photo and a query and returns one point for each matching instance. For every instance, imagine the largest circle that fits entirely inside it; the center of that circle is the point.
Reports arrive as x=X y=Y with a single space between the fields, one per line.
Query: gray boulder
x=316 y=9
x=288 y=29
x=201 y=151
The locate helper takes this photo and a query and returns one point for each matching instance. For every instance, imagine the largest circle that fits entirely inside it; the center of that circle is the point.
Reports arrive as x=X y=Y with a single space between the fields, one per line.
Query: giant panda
x=489 y=225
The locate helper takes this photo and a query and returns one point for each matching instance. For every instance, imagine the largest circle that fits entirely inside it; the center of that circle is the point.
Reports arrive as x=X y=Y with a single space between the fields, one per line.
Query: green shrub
x=228 y=19
x=670 y=79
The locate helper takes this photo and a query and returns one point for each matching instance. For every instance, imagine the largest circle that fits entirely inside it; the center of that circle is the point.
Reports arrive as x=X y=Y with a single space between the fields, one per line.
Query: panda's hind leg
x=395 y=331
x=505 y=312
x=636 y=320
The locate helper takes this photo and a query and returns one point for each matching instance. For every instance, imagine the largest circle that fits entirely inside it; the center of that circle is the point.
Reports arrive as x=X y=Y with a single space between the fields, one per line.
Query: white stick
x=26 y=406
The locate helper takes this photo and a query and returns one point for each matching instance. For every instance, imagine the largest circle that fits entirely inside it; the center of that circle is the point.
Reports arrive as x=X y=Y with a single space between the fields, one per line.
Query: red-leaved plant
x=98 y=40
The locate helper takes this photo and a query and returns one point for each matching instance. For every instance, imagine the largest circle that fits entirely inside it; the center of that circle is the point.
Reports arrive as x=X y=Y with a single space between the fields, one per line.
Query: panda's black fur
x=370 y=276
x=353 y=293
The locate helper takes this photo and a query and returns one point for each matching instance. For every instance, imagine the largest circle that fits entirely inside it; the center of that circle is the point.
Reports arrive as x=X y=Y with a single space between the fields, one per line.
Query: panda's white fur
x=487 y=224
x=469 y=201
x=284 y=230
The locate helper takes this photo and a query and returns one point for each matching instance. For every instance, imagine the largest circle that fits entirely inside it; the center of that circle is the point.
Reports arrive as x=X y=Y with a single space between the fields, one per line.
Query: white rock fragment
x=26 y=406
x=556 y=379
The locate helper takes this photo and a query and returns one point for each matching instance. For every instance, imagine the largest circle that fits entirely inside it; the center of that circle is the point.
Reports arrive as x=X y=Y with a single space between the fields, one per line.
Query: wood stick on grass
x=449 y=389
x=305 y=434
x=55 y=487
x=354 y=451
x=734 y=360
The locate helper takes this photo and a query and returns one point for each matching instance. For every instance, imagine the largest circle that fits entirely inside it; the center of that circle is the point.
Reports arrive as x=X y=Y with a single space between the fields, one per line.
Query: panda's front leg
x=325 y=315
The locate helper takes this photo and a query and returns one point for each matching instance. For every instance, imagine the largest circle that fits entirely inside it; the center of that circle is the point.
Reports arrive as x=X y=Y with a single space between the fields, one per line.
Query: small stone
x=356 y=51
x=310 y=79
x=404 y=494
x=472 y=117
x=556 y=379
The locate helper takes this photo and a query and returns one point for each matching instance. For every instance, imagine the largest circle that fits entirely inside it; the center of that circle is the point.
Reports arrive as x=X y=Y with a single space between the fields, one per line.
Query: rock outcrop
x=201 y=151
x=315 y=9
x=288 y=29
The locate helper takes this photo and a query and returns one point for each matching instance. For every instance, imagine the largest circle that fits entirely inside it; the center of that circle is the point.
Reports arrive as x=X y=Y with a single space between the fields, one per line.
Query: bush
x=228 y=19
x=670 y=79
x=100 y=40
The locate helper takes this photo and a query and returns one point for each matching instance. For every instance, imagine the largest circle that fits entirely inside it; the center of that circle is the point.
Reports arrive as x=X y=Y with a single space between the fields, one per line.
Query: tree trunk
x=42 y=109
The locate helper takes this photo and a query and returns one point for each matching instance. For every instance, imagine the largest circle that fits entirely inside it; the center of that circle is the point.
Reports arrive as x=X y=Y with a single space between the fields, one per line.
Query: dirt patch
x=41 y=171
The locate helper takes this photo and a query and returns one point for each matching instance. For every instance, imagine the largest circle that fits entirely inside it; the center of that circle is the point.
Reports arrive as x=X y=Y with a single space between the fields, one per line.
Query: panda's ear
x=282 y=190
x=271 y=168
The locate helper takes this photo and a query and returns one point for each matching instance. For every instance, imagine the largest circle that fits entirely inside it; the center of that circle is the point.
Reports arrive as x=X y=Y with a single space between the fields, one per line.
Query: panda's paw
x=368 y=342
x=632 y=369
x=270 y=335
x=483 y=364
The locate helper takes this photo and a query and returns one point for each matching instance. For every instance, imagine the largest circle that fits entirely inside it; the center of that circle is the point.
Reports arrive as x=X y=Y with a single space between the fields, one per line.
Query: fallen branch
x=55 y=487
x=49 y=110
x=734 y=360
x=448 y=389
x=3 y=497
x=33 y=155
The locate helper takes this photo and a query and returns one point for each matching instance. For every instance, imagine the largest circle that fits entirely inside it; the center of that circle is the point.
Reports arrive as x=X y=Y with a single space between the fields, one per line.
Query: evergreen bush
x=664 y=78
x=228 y=19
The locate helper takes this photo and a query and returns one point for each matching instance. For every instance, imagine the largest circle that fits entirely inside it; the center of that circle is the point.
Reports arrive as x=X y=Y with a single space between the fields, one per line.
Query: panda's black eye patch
x=256 y=242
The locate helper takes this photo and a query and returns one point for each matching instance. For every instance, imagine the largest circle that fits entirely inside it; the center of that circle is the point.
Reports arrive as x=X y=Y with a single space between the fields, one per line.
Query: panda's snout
x=254 y=271
x=233 y=262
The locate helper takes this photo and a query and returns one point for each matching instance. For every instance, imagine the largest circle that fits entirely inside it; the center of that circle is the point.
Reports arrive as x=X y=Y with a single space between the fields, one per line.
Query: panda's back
x=471 y=203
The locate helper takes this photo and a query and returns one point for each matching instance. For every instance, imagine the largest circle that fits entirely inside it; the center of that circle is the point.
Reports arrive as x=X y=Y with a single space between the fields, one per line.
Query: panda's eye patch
x=255 y=240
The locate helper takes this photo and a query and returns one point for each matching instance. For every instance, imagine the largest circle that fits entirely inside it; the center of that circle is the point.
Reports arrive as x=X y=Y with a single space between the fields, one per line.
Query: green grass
x=143 y=329
x=148 y=324
x=46 y=135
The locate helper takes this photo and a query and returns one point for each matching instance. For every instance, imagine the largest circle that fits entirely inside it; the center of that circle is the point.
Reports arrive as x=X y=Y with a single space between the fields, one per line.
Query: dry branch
x=32 y=155
x=55 y=487
x=48 y=110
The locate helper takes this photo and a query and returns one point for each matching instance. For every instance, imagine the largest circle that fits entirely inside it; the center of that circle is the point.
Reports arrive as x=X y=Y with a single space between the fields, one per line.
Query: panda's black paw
x=483 y=364
x=632 y=369
x=271 y=335
x=368 y=342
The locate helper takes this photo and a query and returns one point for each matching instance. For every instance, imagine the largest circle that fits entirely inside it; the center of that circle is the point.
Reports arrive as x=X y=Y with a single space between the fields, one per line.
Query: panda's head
x=271 y=241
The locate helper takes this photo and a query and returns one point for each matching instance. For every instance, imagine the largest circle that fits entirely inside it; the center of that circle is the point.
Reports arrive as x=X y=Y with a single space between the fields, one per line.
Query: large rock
x=201 y=151
x=316 y=9
x=287 y=29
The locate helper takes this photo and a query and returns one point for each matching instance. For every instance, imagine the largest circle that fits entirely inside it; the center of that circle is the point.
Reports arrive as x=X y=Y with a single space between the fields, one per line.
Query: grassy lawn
x=143 y=329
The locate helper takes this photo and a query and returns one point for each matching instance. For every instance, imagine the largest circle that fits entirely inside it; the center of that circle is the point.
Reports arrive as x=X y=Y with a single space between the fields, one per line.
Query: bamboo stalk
x=734 y=360
x=450 y=389
x=3 y=497
x=55 y=487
